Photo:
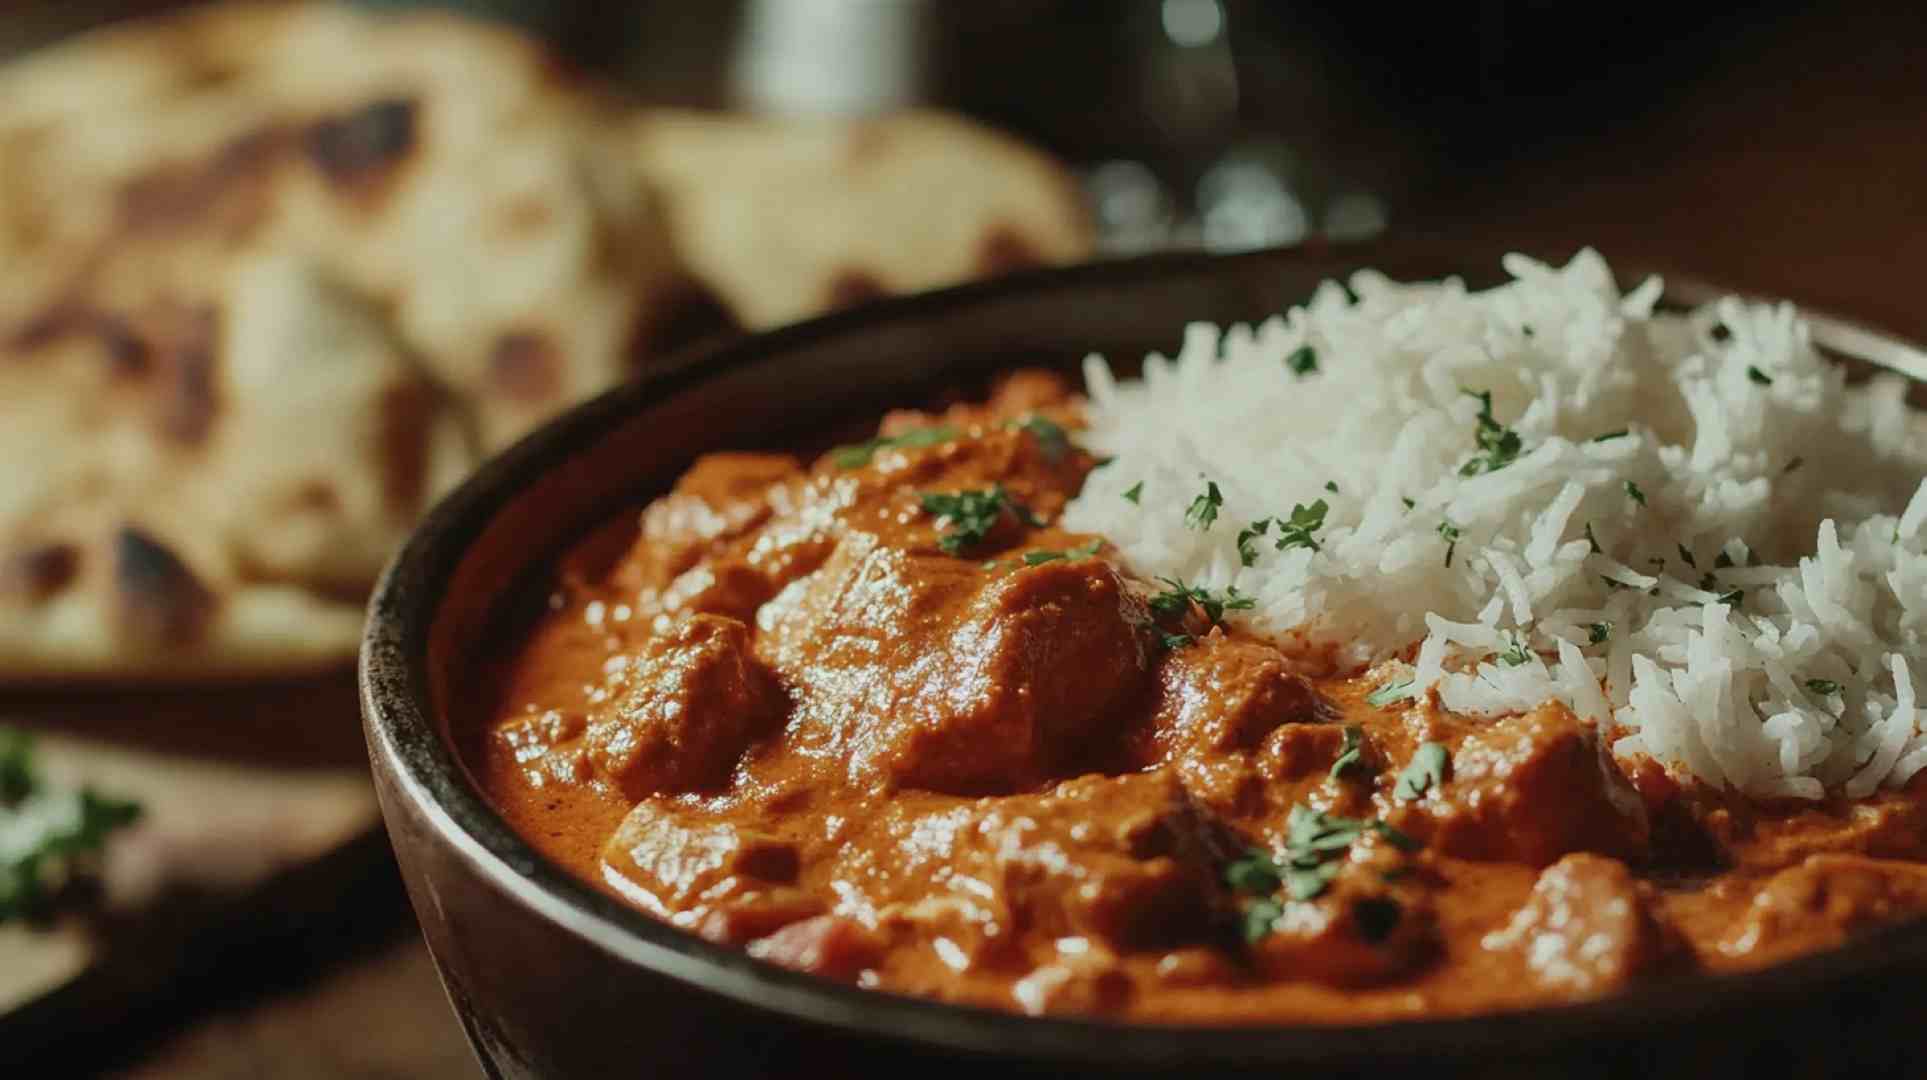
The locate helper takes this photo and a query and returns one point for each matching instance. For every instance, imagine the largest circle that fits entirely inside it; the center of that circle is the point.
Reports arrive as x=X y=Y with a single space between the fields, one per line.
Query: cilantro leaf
x=1450 y=534
x=1498 y=444
x=1303 y=360
x=1247 y=539
x=1179 y=597
x=17 y=778
x=1305 y=520
x=970 y=515
x=1134 y=492
x=1599 y=632
x=1758 y=376
x=1204 y=508
x=1051 y=438
x=1425 y=772
x=1085 y=551
x=1351 y=753
x=64 y=829
x=1823 y=687
x=860 y=454
x=1633 y=493
x=1515 y=654
x=1390 y=692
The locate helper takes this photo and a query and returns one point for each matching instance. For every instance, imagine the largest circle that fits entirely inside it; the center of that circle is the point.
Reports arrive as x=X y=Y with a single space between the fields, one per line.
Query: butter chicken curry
x=877 y=718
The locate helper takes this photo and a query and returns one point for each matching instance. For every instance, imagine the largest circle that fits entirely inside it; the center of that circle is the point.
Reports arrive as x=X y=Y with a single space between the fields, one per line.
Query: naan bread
x=786 y=219
x=276 y=278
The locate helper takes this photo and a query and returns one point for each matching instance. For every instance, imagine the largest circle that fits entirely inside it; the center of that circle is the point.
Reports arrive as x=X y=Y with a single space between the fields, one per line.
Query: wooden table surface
x=1797 y=164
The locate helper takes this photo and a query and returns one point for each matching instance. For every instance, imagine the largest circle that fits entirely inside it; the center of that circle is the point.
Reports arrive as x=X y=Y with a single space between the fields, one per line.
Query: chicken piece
x=547 y=747
x=929 y=672
x=1531 y=788
x=1370 y=924
x=680 y=713
x=1082 y=980
x=1822 y=902
x=1585 y=930
x=1223 y=694
x=826 y=945
x=673 y=861
x=1123 y=861
x=720 y=497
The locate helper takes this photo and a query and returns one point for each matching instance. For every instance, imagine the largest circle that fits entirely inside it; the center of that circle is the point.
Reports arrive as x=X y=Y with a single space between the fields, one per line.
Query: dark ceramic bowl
x=552 y=978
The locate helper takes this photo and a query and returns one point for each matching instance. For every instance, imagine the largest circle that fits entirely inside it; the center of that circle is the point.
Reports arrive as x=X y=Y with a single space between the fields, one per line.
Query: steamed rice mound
x=1687 y=527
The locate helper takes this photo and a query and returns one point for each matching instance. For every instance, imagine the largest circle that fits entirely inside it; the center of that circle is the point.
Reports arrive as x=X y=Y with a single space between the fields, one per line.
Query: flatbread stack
x=273 y=277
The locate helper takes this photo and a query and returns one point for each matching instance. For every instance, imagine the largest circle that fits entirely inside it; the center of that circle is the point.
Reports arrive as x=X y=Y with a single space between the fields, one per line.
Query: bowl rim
x=405 y=740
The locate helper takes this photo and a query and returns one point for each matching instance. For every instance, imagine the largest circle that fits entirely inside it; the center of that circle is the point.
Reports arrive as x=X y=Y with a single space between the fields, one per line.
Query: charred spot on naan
x=357 y=151
x=227 y=193
x=159 y=599
x=35 y=574
x=526 y=366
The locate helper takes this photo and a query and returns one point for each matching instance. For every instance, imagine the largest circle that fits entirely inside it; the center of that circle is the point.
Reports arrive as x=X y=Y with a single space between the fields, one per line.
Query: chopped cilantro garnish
x=1204 y=508
x=1591 y=539
x=1425 y=772
x=1633 y=493
x=1175 y=641
x=1409 y=504
x=1823 y=687
x=1351 y=753
x=1134 y=492
x=63 y=829
x=1260 y=917
x=1315 y=843
x=860 y=454
x=1256 y=874
x=1304 y=521
x=971 y=515
x=1499 y=445
x=1611 y=435
x=1450 y=534
x=1085 y=551
x=1390 y=692
x=1247 y=540
x=1179 y=597
x=1758 y=376
x=1515 y=654
x=1050 y=436
x=1303 y=360
x=17 y=779
x=1600 y=632
x=1331 y=486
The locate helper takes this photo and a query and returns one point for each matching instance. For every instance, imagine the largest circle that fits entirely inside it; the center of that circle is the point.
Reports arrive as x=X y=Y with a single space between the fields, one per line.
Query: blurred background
x=1775 y=146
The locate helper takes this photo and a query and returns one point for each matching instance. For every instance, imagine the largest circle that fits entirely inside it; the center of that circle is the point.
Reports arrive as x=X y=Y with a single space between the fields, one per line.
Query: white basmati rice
x=1755 y=609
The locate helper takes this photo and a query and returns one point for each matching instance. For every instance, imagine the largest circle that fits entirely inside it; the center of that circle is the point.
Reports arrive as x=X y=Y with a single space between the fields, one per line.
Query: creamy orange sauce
x=791 y=716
